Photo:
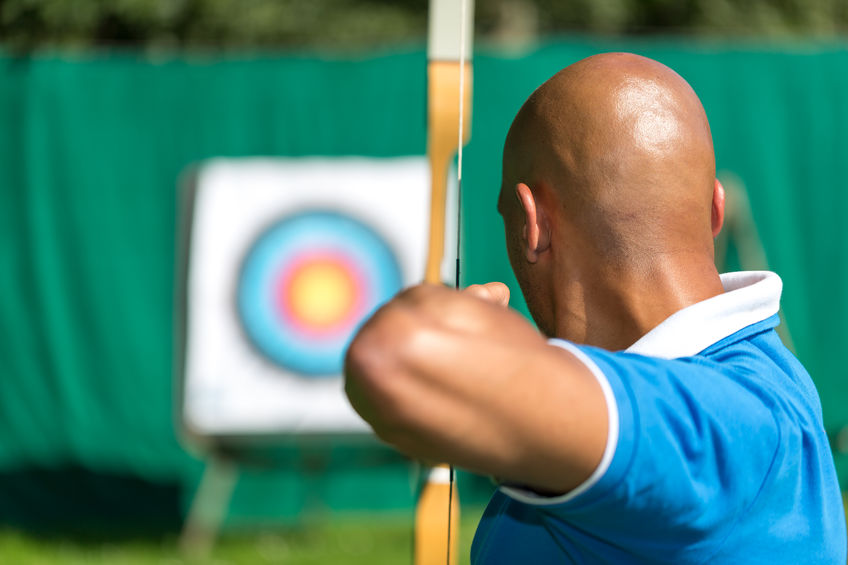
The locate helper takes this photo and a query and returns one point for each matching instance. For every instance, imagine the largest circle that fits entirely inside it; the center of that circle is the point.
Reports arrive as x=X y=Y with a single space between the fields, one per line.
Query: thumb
x=495 y=292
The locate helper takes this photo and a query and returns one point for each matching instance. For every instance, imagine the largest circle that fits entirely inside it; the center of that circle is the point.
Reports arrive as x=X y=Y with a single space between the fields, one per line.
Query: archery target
x=286 y=259
x=307 y=283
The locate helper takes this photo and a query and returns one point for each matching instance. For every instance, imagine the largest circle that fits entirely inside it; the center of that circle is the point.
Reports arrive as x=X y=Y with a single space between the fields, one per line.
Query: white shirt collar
x=749 y=297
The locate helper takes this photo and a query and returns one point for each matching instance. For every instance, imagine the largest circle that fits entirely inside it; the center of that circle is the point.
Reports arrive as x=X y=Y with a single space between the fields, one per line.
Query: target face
x=306 y=285
x=286 y=259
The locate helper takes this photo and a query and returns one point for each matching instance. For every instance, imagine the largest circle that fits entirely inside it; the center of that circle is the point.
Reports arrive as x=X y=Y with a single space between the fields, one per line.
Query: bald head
x=623 y=145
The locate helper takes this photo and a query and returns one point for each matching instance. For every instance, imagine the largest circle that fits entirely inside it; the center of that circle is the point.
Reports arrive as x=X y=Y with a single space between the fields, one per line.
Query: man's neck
x=612 y=309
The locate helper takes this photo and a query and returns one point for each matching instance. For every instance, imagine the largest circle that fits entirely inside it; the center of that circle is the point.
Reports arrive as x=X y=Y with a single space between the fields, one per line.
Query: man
x=662 y=421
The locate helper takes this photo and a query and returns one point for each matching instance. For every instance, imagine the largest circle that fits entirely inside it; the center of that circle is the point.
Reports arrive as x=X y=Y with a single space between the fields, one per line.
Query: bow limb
x=442 y=145
x=448 y=119
x=449 y=75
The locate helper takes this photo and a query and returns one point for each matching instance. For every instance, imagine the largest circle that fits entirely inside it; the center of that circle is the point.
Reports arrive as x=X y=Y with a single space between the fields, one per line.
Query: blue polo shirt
x=716 y=452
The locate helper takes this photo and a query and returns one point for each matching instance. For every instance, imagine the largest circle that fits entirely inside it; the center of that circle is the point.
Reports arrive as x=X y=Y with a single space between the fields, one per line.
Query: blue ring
x=321 y=231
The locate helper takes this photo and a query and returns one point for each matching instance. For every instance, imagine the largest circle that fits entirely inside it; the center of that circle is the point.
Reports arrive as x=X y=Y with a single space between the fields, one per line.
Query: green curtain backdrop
x=91 y=152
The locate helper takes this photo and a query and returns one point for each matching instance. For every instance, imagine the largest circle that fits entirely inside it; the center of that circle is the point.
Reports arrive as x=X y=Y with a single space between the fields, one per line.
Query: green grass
x=350 y=540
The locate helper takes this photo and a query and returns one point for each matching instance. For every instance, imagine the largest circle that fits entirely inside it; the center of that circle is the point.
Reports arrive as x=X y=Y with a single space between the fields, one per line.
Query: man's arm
x=454 y=377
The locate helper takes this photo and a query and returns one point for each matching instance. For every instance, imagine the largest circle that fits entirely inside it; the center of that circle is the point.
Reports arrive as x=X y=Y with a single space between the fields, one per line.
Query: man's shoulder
x=739 y=420
x=752 y=362
x=755 y=350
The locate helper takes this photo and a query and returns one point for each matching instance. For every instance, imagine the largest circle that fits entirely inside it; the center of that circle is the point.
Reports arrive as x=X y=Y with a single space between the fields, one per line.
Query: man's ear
x=718 y=208
x=536 y=235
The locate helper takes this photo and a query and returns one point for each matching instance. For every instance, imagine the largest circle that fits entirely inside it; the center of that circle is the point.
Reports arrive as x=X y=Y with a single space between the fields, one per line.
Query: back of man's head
x=624 y=144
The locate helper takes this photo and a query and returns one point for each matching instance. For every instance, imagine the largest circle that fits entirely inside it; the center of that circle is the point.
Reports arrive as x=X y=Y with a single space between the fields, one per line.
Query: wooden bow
x=448 y=119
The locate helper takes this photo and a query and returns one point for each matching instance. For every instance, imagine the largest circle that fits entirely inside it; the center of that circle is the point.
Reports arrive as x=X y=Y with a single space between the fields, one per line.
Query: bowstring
x=462 y=56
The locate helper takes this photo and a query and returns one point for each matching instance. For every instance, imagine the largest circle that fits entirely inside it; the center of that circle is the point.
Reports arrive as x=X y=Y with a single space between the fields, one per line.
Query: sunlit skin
x=610 y=201
x=610 y=206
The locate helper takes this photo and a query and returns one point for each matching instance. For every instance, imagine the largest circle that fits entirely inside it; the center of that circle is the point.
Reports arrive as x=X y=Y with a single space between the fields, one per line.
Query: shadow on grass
x=89 y=506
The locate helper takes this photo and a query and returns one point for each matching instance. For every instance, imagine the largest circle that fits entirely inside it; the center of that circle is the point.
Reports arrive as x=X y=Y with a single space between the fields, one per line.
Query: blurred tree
x=26 y=24
x=210 y=23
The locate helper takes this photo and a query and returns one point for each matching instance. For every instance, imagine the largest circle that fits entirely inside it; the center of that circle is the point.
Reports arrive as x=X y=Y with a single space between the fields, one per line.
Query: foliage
x=207 y=23
x=713 y=17
x=373 y=23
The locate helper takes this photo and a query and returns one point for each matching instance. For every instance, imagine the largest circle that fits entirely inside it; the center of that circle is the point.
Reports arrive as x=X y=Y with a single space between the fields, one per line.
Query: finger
x=495 y=292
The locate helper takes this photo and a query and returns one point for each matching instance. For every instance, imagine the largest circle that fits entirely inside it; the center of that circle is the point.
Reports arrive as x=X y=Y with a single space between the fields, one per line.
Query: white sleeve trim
x=530 y=497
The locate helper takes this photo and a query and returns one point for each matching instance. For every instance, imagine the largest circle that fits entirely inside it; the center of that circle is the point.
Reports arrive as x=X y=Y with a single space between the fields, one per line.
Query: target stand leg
x=208 y=507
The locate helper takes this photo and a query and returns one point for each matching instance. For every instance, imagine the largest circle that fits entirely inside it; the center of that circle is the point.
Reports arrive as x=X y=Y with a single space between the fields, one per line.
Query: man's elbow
x=375 y=371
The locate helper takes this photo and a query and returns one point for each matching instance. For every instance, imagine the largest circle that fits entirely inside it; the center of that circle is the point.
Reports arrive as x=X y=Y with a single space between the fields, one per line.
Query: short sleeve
x=691 y=446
